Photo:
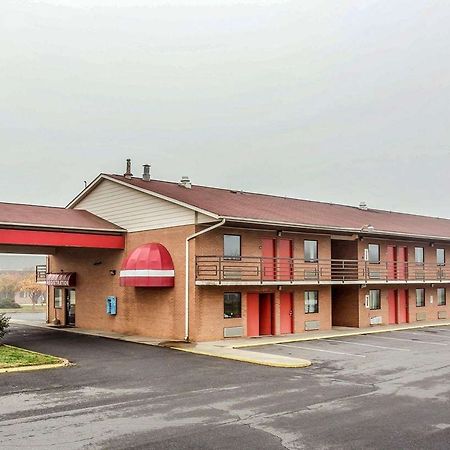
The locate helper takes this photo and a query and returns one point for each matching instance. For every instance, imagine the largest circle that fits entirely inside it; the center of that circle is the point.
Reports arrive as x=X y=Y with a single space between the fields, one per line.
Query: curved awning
x=61 y=279
x=149 y=265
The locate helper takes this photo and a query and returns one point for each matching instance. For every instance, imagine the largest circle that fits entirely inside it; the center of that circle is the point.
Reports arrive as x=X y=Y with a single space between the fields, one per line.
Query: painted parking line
x=428 y=334
x=320 y=350
x=412 y=341
x=372 y=345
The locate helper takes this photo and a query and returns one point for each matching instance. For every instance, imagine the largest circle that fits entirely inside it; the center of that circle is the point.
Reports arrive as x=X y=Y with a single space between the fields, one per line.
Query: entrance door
x=252 y=314
x=392 y=306
x=402 y=263
x=260 y=314
x=286 y=312
x=70 y=307
x=391 y=258
x=265 y=314
x=268 y=254
x=402 y=315
x=285 y=261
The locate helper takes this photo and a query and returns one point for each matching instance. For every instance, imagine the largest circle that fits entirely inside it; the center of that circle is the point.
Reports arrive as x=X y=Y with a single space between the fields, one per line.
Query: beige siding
x=134 y=210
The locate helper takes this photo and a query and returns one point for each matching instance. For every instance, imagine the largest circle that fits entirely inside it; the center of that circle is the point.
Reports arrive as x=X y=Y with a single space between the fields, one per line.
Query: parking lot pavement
x=393 y=349
x=363 y=393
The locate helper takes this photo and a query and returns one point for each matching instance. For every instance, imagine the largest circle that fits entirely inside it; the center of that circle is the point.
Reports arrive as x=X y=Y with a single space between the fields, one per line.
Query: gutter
x=186 y=287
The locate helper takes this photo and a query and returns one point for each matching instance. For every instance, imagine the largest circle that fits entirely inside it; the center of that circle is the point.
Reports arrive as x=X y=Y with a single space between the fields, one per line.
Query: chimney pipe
x=146 y=174
x=128 y=173
x=185 y=182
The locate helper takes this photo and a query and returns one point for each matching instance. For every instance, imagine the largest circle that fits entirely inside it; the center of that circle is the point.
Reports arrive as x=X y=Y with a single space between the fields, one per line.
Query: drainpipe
x=186 y=287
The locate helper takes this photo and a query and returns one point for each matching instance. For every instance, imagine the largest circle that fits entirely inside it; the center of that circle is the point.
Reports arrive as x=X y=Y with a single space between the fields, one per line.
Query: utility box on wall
x=111 y=305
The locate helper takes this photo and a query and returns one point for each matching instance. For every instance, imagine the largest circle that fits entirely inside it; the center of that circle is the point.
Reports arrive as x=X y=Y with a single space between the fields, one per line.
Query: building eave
x=359 y=231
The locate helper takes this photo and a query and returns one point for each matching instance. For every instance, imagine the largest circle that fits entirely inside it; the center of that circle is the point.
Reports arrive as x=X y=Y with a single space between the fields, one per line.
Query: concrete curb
x=260 y=358
x=63 y=363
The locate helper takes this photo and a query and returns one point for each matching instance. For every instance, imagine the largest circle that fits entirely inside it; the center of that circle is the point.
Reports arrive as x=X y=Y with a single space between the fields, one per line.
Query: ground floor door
x=260 y=314
x=402 y=304
x=398 y=305
x=70 y=307
x=286 y=313
x=392 y=306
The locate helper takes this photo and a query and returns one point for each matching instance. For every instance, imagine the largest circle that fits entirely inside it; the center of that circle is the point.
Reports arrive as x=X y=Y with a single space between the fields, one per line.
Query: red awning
x=149 y=265
x=61 y=279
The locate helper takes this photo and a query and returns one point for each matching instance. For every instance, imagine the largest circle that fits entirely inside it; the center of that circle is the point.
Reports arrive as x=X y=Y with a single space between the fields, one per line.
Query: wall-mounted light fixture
x=97 y=263
x=112 y=272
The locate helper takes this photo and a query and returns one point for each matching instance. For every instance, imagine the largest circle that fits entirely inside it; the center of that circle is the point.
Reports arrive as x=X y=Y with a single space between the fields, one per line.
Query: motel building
x=177 y=261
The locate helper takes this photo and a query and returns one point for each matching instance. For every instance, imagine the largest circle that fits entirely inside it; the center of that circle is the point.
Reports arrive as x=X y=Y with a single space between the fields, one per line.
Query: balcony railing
x=259 y=270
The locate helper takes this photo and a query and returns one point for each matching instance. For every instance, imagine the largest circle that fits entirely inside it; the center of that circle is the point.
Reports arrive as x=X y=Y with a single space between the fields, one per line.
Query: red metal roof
x=14 y=214
x=269 y=208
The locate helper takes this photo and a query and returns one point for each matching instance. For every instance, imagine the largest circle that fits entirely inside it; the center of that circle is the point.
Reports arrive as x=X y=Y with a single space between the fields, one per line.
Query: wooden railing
x=218 y=269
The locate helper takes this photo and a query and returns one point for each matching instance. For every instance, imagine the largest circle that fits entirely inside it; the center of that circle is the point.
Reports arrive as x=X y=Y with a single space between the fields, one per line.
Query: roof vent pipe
x=363 y=206
x=146 y=174
x=185 y=182
x=128 y=173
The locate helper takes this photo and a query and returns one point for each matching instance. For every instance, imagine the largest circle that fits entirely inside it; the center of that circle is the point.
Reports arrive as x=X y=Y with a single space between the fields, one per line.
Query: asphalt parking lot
x=394 y=349
x=369 y=392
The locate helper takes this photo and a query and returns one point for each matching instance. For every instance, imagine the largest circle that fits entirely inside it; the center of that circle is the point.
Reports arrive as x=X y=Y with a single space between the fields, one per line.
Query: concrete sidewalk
x=234 y=348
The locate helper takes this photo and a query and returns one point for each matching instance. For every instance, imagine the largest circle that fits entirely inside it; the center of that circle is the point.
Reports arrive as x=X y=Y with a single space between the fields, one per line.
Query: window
x=374 y=253
x=440 y=256
x=441 y=297
x=311 y=302
x=420 y=297
x=419 y=255
x=231 y=246
x=311 y=251
x=58 y=297
x=374 y=299
x=231 y=305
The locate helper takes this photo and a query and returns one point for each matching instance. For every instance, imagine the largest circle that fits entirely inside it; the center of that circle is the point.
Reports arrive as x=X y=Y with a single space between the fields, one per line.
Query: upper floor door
x=277 y=259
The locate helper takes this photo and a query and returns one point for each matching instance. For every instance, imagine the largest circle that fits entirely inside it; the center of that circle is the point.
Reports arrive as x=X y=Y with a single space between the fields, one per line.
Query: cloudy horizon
x=339 y=102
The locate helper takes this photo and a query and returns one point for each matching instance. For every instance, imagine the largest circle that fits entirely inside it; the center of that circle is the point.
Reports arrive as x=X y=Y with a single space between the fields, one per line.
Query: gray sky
x=340 y=101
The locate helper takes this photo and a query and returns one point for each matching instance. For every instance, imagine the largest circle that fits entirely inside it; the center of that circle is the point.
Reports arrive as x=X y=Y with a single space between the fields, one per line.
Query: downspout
x=47 y=300
x=186 y=287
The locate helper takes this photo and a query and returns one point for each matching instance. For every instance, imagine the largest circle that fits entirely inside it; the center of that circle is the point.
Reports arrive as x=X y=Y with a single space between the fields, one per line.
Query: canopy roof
x=149 y=265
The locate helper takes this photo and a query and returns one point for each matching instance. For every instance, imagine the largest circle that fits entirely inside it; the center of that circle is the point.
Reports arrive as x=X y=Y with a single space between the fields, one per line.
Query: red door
x=285 y=262
x=265 y=314
x=402 y=315
x=391 y=258
x=268 y=253
x=252 y=314
x=286 y=313
x=392 y=306
x=402 y=263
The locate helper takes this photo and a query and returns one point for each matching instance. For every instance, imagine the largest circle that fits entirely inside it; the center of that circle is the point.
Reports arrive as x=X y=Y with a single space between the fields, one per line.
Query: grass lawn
x=18 y=357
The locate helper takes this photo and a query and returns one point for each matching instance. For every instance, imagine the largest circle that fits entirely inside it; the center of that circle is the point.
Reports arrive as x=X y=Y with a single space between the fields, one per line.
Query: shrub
x=8 y=304
x=4 y=324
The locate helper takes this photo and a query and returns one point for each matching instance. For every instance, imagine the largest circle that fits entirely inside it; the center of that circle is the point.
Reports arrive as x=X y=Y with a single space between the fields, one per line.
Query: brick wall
x=210 y=309
x=157 y=312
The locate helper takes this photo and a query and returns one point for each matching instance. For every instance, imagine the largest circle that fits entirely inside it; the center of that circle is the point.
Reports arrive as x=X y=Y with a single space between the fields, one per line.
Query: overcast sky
x=341 y=101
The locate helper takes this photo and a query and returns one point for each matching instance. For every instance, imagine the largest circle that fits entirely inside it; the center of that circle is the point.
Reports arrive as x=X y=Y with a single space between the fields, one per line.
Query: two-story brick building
x=226 y=263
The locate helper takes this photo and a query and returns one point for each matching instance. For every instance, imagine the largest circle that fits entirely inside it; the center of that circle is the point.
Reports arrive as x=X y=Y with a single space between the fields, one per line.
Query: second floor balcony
x=253 y=270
